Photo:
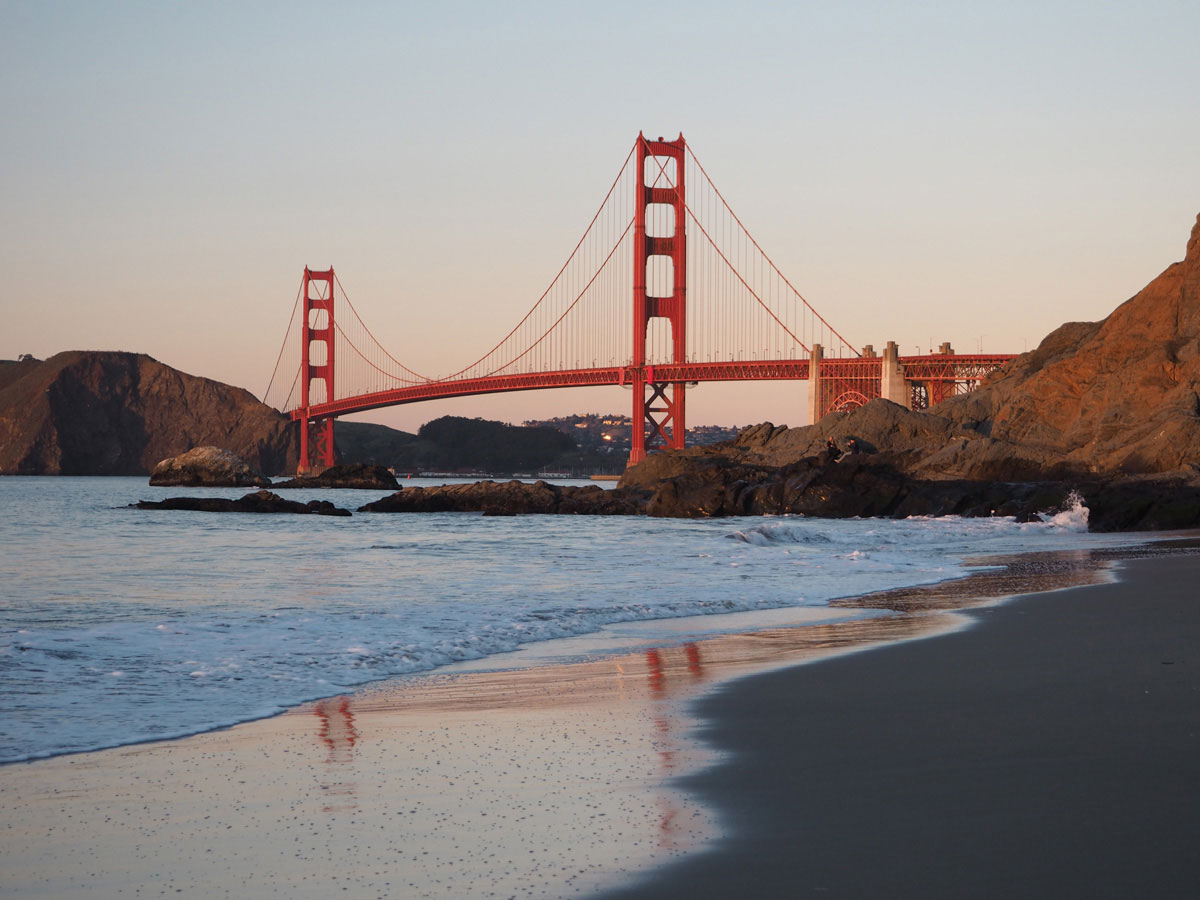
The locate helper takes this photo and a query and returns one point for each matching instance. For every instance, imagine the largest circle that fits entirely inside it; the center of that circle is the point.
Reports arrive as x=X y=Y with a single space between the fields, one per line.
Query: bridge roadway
x=938 y=367
x=613 y=376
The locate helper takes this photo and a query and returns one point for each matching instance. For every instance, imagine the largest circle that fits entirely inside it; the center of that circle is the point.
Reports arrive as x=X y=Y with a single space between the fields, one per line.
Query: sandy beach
x=1053 y=750
x=1044 y=746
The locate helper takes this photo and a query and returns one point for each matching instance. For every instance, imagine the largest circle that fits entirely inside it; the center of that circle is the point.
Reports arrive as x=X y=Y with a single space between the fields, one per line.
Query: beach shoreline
x=1050 y=750
x=545 y=781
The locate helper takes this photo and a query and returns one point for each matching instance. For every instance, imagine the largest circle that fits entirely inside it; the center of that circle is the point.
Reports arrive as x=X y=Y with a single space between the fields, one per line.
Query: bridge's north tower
x=659 y=290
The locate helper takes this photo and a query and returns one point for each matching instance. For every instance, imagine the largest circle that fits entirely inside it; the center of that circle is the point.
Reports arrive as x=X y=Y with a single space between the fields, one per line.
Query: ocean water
x=120 y=625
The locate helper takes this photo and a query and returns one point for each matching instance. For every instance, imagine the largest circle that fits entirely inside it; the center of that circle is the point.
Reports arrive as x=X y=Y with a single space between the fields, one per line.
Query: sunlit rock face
x=207 y=467
x=1117 y=396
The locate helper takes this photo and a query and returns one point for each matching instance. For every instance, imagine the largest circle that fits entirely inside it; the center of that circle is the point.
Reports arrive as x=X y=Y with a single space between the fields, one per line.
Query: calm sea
x=119 y=625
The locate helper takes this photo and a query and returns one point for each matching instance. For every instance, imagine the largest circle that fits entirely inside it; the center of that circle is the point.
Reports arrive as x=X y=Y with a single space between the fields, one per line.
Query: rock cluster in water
x=353 y=475
x=512 y=498
x=257 y=502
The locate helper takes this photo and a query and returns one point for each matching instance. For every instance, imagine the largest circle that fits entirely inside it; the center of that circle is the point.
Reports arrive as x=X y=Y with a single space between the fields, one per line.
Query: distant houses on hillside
x=613 y=434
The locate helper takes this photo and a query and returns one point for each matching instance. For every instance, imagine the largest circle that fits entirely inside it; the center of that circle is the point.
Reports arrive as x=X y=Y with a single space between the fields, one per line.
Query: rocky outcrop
x=926 y=445
x=258 y=502
x=897 y=436
x=354 y=475
x=1140 y=503
x=112 y=413
x=858 y=485
x=206 y=467
x=1117 y=396
x=512 y=498
x=866 y=485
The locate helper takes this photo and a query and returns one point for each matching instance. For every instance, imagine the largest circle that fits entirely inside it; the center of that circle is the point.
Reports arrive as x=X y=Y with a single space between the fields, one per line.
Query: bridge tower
x=316 y=342
x=658 y=419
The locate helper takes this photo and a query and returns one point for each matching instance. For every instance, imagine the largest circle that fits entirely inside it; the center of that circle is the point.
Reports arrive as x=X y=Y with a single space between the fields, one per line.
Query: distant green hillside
x=365 y=442
x=453 y=442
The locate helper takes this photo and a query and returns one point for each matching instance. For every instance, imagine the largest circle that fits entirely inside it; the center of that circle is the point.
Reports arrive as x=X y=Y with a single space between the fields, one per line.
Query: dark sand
x=1052 y=750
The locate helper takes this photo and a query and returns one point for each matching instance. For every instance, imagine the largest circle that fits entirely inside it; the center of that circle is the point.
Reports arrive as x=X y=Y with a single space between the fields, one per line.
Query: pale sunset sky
x=972 y=172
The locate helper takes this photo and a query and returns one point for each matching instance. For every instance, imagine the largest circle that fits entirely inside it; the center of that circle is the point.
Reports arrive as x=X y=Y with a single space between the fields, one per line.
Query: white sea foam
x=159 y=624
x=1073 y=516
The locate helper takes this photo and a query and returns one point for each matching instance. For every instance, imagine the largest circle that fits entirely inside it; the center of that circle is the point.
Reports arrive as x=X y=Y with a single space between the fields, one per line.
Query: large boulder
x=207 y=467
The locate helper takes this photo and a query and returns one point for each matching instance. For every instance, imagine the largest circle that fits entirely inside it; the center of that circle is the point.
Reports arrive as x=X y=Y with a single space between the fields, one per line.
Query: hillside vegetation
x=453 y=443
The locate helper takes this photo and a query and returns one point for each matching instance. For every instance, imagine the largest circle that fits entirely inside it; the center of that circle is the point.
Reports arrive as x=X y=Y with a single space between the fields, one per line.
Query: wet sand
x=555 y=781
x=539 y=782
x=1050 y=751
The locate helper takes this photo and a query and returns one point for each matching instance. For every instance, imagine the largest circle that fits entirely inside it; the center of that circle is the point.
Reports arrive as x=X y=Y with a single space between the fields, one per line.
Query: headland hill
x=1107 y=412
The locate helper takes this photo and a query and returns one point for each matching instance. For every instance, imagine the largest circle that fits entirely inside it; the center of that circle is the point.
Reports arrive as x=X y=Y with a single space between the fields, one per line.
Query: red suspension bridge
x=665 y=289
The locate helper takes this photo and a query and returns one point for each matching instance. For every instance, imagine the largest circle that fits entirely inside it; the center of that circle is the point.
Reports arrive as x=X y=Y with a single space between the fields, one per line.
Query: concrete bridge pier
x=892 y=385
x=815 y=384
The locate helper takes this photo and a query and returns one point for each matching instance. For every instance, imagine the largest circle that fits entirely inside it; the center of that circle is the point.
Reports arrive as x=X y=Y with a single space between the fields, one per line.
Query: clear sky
x=976 y=172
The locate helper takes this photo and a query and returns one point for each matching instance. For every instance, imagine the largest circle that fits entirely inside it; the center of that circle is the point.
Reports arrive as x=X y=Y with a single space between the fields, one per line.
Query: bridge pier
x=316 y=443
x=914 y=382
x=815 y=385
x=892 y=385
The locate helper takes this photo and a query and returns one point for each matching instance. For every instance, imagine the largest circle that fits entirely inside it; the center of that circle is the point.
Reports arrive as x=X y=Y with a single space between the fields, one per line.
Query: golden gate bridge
x=665 y=289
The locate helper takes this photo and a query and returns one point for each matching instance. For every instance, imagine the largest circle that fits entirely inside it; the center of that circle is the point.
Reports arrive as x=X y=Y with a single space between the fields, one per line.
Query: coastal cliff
x=1117 y=396
x=116 y=413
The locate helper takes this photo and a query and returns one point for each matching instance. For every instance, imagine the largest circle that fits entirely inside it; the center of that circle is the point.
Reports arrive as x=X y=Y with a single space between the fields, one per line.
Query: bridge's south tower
x=659 y=290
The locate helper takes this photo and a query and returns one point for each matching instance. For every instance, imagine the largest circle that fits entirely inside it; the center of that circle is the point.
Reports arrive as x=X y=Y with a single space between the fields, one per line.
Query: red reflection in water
x=338 y=734
x=655 y=662
x=660 y=668
x=658 y=663
x=693 y=657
